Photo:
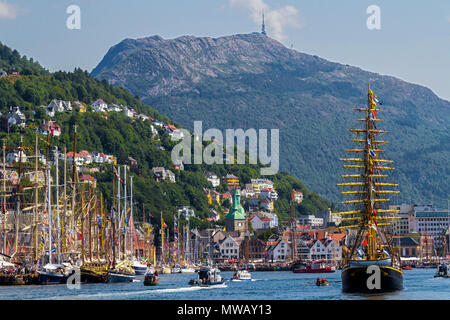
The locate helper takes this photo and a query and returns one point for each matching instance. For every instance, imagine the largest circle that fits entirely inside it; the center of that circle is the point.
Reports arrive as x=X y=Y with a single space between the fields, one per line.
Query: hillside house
x=70 y=156
x=16 y=156
x=15 y=117
x=50 y=127
x=99 y=106
x=213 y=178
x=161 y=174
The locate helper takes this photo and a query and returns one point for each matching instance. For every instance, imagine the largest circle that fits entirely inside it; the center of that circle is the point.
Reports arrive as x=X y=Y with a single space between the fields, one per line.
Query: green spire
x=237 y=212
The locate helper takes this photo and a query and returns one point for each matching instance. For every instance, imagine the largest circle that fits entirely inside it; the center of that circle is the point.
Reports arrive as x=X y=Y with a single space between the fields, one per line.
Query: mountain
x=252 y=81
x=116 y=134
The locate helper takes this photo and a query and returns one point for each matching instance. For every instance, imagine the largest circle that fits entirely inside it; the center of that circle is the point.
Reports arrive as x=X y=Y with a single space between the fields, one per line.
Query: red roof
x=70 y=154
x=87 y=177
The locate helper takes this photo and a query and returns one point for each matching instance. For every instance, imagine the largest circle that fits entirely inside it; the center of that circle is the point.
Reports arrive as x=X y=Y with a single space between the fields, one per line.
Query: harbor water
x=419 y=284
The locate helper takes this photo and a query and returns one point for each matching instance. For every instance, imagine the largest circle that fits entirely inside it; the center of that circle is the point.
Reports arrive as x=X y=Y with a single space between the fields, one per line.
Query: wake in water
x=131 y=293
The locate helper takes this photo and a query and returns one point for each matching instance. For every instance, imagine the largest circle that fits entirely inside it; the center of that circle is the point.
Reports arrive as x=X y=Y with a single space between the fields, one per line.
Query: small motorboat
x=187 y=270
x=443 y=271
x=407 y=267
x=166 y=270
x=242 y=275
x=207 y=276
x=176 y=269
x=139 y=267
x=322 y=282
x=151 y=278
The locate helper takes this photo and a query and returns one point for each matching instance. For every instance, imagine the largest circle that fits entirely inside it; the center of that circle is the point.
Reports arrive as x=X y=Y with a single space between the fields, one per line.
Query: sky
x=412 y=42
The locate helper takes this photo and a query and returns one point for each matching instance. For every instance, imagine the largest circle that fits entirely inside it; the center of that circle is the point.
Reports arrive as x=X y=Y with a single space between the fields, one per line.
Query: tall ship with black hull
x=371 y=263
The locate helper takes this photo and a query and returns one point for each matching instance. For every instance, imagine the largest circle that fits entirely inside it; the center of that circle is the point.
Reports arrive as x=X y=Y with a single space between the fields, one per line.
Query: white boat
x=443 y=271
x=242 y=275
x=166 y=270
x=139 y=267
x=187 y=270
x=176 y=269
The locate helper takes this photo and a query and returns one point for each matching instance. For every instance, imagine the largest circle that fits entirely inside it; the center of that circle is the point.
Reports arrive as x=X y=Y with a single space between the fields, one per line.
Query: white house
x=128 y=112
x=98 y=157
x=280 y=251
x=58 y=106
x=186 y=212
x=260 y=222
x=15 y=117
x=229 y=248
x=333 y=251
x=79 y=160
x=99 y=106
x=176 y=134
x=298 y=196
x=317 y=250
x=15 y=156
x=114 y=108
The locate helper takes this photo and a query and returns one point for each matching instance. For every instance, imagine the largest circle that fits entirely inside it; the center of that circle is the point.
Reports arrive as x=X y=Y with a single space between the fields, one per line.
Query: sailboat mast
x=131 y=217
x=82 y=223
x=64 y=218
x=4 y=198
x=124 y=216
x=112 y=216
x=36 y=196
x=73 y=224
x=58 y=222
x=118 y=208
x=90 y=209
x=49 y=217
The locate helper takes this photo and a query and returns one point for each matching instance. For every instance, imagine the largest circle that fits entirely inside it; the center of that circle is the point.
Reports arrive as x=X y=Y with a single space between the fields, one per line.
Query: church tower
x=263 y=27
x=236 y=219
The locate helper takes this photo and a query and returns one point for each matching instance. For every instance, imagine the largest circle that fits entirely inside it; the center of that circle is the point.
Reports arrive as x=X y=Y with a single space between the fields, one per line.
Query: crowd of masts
x=52 y=219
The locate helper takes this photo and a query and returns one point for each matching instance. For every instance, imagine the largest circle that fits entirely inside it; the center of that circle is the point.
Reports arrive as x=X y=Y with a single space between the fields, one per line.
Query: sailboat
x=371 y=264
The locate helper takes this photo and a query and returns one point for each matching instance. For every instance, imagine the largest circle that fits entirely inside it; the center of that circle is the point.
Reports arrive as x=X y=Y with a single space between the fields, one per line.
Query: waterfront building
x=428 y=220
x=401 y=226
x=311 y=220
x=279 y=251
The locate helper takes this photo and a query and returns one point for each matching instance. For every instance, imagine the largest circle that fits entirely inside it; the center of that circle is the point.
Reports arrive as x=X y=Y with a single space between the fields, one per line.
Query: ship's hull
x=17 y=280
x=356 y=279
x=51 y=278
x=90 y=276
x=138 y=270
x=114 y=277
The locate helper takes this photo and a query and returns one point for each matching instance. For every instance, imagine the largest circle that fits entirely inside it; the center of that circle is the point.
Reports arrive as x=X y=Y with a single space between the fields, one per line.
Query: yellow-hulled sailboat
x=371 y=263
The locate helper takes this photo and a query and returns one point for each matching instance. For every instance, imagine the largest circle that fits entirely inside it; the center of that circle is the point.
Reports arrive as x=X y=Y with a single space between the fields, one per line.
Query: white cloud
x=7 y=11
x=276 y=20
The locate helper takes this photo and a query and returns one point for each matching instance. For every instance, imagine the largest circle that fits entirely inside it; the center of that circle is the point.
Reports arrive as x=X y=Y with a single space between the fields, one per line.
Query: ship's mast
x=367 y=186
